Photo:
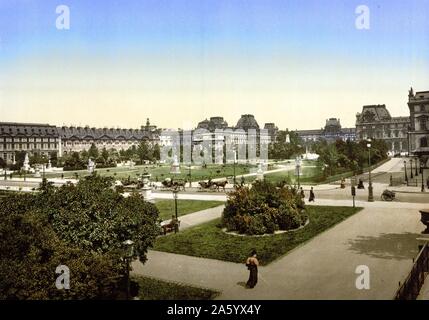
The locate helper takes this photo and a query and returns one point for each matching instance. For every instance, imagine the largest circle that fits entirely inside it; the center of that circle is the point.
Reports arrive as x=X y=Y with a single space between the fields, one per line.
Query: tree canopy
x=82 y=226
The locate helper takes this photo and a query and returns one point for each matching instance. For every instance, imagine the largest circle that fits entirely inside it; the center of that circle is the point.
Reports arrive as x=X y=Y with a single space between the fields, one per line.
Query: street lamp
x=175 y=194
x=129 y=253
x=405 y=172
x=416 y=172
x=370 y=193
x=235 y=162
x=298 y=163
x=411 y=169
x=190 y=174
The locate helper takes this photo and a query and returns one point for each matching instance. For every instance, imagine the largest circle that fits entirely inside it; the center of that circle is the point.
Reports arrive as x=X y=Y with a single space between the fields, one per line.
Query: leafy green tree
x=81 y=226
x=31 y=251
x=156 y=152
x=93 y=152
x=105 y=155
x=144 y=151
x=280 y=149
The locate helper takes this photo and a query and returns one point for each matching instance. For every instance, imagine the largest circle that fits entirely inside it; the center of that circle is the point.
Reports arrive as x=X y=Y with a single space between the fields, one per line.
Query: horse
x=220 y=184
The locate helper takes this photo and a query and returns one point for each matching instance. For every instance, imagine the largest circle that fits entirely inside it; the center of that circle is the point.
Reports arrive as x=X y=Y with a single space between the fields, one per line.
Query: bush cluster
x=263 y=208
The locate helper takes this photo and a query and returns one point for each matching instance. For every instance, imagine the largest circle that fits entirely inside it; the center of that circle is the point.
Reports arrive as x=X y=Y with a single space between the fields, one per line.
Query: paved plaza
x=382 y=236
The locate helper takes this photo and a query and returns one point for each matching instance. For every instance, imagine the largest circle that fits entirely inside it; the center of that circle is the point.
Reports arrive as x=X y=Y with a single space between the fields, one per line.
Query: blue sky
x=179 y=61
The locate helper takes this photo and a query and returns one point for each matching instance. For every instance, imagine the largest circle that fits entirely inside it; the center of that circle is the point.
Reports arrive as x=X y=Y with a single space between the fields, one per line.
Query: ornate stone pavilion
x=331 y=132
x=418 y=104
x=375 y=122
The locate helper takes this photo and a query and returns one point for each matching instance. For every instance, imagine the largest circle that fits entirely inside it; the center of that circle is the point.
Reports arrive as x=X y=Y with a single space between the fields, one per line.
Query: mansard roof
x=373 y=113
x=14 y=129
x=87 y=133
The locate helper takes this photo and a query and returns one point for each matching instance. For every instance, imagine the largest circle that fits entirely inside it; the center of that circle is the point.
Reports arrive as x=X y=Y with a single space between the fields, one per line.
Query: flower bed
x=263 y=209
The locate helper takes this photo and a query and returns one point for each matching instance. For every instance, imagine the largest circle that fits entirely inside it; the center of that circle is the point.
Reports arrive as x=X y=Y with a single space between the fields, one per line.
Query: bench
x=170 y=227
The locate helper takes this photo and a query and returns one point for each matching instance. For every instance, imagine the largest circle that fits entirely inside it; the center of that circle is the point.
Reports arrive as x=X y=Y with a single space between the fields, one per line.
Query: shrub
x=264 y=208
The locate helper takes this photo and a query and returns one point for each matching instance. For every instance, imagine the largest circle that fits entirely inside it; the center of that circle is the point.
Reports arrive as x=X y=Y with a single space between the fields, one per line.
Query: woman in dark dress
x=252 y=264
x=311 y=195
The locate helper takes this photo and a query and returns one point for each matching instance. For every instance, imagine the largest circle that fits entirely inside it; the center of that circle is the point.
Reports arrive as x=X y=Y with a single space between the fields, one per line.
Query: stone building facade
x=81 y=138
x=41 y=139
x=331 y=132
x=48 y=140
x=375 y=122
x=418 y=104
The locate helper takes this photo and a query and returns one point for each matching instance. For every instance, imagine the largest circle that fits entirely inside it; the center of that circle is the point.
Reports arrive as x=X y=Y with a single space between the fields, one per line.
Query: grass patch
x=209 y=241
x=153 y=289
x=159 y=173
x=166 y=207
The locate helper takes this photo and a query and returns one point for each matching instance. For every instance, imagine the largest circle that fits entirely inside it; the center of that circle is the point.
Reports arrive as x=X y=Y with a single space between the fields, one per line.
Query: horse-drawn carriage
x=213 y=185
x=174 y=184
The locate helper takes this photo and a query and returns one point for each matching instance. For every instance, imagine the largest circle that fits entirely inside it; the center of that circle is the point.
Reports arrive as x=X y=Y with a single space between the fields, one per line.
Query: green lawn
x=209 y=241
x=162 y=172
x=153 y=289
x=166 y=207
x=309 y=175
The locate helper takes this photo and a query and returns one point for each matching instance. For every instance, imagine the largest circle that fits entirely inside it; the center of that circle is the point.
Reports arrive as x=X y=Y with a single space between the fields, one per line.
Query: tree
x=144 y=151
x=280 y=149
x=105 y=155
x=93 y=152
x=31 y=251
x=328 y=156
x=81 y=226
x=93 y=216
x=156 y=153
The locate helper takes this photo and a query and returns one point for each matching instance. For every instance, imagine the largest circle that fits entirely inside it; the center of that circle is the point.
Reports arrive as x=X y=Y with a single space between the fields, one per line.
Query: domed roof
x=247 y=121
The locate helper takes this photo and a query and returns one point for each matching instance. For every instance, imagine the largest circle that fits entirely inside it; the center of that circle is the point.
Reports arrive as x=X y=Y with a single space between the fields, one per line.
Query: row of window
x=28 y=139
x=28 y=146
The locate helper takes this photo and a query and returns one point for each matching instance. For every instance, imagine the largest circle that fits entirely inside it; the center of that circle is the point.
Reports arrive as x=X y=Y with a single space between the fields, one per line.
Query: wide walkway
x=382 y=236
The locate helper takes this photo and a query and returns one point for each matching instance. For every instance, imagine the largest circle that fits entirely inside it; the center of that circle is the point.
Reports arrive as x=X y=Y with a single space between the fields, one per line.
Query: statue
x=91 y=165
x=260 y=172
x=175 y=167
x=26 y=166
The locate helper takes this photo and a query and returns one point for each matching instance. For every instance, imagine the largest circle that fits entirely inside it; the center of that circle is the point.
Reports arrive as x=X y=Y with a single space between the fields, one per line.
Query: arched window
x=423 y=123
x=423 y=142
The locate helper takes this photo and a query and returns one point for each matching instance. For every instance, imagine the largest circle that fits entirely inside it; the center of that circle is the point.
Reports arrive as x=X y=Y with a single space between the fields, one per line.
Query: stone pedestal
x=146 y=190
x=425 y=219
x=37 y=173
x=175 y=166
x=260 y=173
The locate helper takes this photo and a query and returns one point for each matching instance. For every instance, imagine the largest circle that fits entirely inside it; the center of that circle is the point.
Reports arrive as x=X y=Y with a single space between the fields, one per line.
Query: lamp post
x=370 y=193
x=129 y=253
x=298 y=163
x=416 y=172
x=190 y=174
x=405 y=172
x=175 y=193
x=423 y=183
x=235 y=162
x=411 y=169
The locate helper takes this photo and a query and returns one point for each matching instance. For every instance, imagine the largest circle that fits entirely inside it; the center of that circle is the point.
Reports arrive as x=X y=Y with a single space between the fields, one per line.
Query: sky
x=291 y=62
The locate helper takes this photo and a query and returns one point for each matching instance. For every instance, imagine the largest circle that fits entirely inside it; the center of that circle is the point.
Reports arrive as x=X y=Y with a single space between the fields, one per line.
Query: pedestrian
x=312 y=197
x=427 y=182
x=252 y=264
x=302 y=193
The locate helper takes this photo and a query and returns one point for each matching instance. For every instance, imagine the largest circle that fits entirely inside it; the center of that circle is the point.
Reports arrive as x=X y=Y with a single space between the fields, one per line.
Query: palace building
x=81 y=138
x=42 y=139
x=331 y=132
x=418 y=104
x=48 y=140
x=375 y=122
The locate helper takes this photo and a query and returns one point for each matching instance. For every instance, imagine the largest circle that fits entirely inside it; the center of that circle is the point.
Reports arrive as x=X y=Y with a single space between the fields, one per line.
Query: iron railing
x=410 y=288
